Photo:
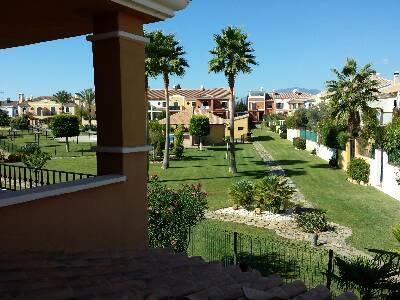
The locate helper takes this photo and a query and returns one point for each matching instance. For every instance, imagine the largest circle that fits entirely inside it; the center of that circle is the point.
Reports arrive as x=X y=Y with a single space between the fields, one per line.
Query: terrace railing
x=16 y=178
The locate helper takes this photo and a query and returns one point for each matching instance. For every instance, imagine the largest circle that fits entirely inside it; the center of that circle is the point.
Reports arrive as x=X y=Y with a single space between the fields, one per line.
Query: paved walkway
x=285 y=225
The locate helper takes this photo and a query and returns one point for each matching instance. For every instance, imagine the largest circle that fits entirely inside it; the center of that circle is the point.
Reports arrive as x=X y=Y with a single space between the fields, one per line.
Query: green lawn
x=368 y=212
x=210 y=169
x=47 y=144
x=87 y=164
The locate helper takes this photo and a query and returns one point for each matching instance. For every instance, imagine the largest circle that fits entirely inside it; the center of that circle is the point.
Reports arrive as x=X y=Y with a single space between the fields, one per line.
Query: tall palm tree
x=88 y=97
x=232 y=55
x=62 y=97
x=164 y=56
x=350 y=95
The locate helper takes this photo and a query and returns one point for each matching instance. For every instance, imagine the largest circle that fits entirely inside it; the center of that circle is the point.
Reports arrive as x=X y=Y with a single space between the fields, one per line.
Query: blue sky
x=297 y=42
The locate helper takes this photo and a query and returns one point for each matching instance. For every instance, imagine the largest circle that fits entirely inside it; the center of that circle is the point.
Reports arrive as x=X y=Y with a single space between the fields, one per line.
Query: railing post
x=330 y=270
x=235 y=250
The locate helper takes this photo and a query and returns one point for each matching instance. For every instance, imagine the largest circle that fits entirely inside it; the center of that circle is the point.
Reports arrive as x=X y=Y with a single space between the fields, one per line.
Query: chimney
x=202 y=87
x=396 y=78
x=8 y=100
x=21 y=97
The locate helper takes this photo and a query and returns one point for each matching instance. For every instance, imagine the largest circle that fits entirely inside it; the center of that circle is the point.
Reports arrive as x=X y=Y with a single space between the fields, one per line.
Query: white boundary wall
x=389 y=184
x=292 y=133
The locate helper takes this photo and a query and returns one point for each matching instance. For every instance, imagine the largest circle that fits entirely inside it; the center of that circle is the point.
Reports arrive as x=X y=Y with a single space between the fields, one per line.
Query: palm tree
x=88 y=97
x=232 y=55
x=164 y=56
x=350 y=95
x=62 y=97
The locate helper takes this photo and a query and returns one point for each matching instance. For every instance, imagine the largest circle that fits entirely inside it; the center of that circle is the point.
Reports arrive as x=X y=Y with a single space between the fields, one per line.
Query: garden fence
x=14 y=178
x=292 y=261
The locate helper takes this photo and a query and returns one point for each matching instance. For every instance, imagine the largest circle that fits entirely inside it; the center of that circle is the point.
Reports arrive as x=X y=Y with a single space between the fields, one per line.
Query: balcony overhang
x=27 y=22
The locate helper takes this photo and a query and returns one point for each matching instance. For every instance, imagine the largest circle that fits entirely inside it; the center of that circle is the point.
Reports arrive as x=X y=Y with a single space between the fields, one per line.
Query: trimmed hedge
x=299 y=143
x=358 y=169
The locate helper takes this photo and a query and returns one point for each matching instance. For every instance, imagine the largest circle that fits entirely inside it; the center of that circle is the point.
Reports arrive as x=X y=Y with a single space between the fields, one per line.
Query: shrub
x=88 y=127
x=314 y=221
x=157 y=137
x=391 y=140
x=314 y=151
x=283 y=132
x=342 y=138
x=4 y=118
x=333 y=162
x=358 y=169
x=20 y=122
x=299 y=143
x=13 y=158
x=273 y=193
x=178 y=142
x=272 y=127
x=291 y=122
x=173 y=213
x=396 y=232
x=242 y=193
x=33 y=157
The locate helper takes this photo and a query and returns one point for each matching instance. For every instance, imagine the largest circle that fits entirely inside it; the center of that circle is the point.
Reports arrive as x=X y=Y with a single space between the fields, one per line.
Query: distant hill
x=303 y=90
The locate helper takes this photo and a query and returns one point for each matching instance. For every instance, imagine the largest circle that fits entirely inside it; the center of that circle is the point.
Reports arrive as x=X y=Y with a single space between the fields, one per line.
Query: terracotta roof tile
x=183 y=117
x=147 y=274
x=191 y=94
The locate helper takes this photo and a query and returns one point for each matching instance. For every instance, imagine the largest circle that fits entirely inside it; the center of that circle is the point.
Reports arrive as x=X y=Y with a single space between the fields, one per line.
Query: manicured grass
x=210 y=169
x=367 y=211
x=50 y=145
x=85 y=164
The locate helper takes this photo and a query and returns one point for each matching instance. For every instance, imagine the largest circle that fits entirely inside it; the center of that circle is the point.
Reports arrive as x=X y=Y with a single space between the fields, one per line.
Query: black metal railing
x=16 y=178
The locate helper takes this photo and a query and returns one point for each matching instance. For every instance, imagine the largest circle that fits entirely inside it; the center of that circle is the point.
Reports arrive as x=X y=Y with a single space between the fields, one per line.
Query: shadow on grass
x=296 y=172
x=287 y=162
x=264 y=138
x=322 y=166
x=220 y=149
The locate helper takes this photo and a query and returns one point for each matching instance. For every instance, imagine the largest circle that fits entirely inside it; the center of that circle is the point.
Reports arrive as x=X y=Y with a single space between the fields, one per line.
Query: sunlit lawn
x=210 y=169
x=367 y=211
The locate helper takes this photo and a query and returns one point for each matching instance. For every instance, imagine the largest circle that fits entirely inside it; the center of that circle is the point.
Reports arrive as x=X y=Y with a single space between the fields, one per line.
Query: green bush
x=20 y=123
x=273 y=193
x=65 y=126
x=157 y=137
x=13 y=158
x=391 y=140
x=333 y=162
x=314 y=221
x=4 y=118
x=291 y=122
x=342 y=139
x=199 y=126
x=314 y=151
x=173 y=213
x=33 y=157
x=178 y=142
x=299 y=143
x=272 y=127
x=242 y=193
x=358 y=169
x=283 y=132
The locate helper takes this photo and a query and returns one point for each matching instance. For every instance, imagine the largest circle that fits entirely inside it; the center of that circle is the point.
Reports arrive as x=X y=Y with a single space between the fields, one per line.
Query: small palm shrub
x=314 y=221
x=299 y=143
x=242 y=193
x=374 y=278
x=358 y=169
x=273 y=193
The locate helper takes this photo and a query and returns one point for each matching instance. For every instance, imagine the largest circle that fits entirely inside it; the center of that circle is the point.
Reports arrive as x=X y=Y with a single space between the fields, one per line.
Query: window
x=205 y=103
x=224 y=104
x=269 y=104
x=193 y=104
x=253 y=106
x=53 y=110
x=164 y=104
x=67 y=109
x=240 y=128
x=279 y=106
x=159 y=103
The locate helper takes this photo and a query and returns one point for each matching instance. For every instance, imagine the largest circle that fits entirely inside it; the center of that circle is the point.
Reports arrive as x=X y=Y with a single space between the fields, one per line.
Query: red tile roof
x=214 y=93
x=147 y=274
x=298 y=95
x=183 y=117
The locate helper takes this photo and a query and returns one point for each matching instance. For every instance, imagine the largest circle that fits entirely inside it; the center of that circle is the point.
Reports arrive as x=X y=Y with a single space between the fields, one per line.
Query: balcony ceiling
x=26 y=22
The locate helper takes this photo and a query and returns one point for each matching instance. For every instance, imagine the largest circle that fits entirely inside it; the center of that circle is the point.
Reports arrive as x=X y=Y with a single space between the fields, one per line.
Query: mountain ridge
x=303 y=90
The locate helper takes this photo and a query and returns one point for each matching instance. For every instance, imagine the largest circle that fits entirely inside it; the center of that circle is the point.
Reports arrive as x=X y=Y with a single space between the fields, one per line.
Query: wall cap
x=8 y=198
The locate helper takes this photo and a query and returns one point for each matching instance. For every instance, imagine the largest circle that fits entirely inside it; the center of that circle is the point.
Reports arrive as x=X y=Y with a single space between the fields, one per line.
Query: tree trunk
x=90 y=117
x=146 y=97
x=232 y=157
x=200 y=143
x=66 y=144
x=165 y=164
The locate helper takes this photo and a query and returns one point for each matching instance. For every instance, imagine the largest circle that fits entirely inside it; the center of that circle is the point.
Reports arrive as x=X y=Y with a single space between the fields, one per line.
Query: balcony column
x=118 y=56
